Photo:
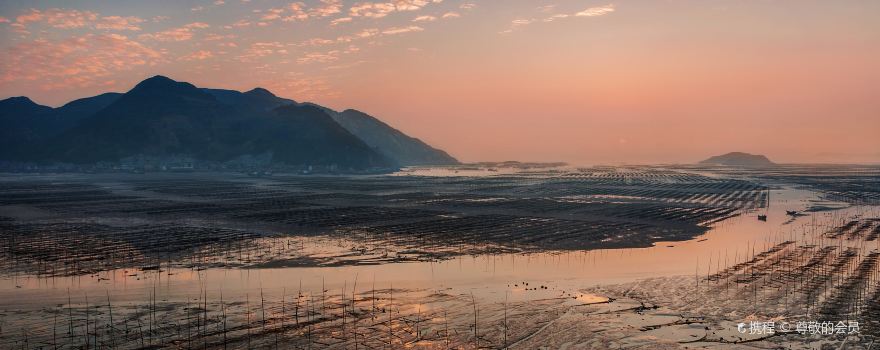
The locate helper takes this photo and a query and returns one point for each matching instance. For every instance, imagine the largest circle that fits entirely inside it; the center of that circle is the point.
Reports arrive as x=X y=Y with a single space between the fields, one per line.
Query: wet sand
x=556 y=299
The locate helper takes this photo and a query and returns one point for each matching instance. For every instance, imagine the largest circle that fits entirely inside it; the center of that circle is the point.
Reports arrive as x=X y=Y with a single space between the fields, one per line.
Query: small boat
x=791 y=212
x=762 y=217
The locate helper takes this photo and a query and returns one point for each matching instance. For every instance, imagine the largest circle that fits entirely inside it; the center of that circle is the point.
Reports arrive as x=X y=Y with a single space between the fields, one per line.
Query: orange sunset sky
x=558 y=80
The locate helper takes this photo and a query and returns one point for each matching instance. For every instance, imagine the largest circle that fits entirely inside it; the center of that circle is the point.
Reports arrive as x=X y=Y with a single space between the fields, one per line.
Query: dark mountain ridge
x=161 y=117
x=21 y=105
x=257 y=99
x=24 y=124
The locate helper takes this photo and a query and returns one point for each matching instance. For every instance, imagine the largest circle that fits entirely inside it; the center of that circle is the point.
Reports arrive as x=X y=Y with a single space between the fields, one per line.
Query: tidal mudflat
x=475 y=257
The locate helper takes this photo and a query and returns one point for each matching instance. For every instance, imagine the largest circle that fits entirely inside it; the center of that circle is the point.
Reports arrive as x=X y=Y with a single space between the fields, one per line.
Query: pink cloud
x=272 y=14
x=365 y=33
x=590 y=12
x=262 y=49
x=596 y=11
x=33 y=15
x=119 y=23
x=345 y=66
x=69 y=18
x=198 y=55
x=382 y=9
x=330 y=7
x=297 y=12
x=424 y=19
x=216 y=37
x=82 y=61
x=319 y=57
x=371 y=10
x=340 y=20
x=317 y=42
x=555 y=17
x=241 y=23
x=176 y=34
x=73 y=19
x=410 y=5
x=401 y=30
x=300 y=86
x=197 y=25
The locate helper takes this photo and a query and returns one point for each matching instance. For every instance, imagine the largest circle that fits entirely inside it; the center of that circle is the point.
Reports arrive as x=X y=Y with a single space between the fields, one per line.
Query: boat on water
x=762 y=217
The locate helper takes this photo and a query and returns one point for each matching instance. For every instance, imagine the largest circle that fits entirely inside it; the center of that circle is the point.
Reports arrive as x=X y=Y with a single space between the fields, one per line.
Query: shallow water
x=489 y=277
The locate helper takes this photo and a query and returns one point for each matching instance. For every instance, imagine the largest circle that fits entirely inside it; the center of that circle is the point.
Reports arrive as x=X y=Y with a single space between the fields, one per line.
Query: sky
x=580 y=81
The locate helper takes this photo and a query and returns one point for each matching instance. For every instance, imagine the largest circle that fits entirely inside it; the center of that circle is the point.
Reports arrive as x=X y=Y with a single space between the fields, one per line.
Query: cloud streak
x=589 y=12
x=80 y=61
x=401 y=30
x=382 y=9
x=198 y=55
x=183 y=33
x=596 y=11
x=74 y=19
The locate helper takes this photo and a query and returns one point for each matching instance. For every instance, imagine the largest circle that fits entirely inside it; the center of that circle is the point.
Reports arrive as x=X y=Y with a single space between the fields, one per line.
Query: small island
x=740 y=159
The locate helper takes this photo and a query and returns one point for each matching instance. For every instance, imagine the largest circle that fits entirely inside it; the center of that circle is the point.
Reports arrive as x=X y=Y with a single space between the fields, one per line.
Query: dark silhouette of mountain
x=390 y=142
x=158 y=116
x=19 y=125
x=21 y=105
x=740 y=159
x=25 y=124
x=78 y=109
x=161 y=117
x=323 y=141
x=258 y=99
x=68 y=115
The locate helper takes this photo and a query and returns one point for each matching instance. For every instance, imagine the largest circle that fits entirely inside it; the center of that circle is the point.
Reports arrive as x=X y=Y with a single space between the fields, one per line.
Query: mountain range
x=161 y=117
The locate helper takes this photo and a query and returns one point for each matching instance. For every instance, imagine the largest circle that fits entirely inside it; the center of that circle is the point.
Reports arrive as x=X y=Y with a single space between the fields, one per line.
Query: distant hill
x=390 y=142
x=25 y=124
x=161 y=117
x=740 y=159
